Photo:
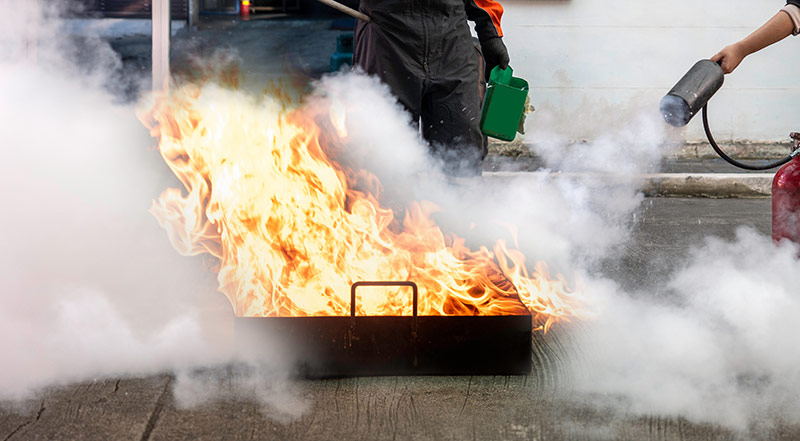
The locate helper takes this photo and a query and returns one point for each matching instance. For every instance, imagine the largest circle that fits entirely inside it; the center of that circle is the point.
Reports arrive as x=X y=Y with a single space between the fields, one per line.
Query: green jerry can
x=504 y=105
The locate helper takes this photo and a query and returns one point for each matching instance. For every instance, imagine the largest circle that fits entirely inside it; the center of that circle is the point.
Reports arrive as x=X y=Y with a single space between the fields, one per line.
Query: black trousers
x=425 y=53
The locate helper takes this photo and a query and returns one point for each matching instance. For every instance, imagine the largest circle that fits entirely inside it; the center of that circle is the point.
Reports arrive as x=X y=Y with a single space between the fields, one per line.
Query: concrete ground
x=410 y=408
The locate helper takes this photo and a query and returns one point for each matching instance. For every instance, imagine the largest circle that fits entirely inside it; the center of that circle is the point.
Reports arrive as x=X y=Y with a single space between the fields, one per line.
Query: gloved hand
x=494 y=54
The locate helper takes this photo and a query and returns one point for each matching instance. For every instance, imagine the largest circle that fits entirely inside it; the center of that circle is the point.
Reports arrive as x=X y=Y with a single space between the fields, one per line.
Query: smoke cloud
x=577 y=210
x=711 y=341
x=89 y=285
x=714 y=345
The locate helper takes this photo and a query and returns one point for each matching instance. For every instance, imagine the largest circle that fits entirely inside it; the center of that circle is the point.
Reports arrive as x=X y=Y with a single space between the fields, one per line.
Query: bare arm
x=776 y=29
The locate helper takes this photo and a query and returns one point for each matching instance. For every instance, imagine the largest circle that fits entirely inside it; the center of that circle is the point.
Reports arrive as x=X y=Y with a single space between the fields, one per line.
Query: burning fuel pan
x=382 y=345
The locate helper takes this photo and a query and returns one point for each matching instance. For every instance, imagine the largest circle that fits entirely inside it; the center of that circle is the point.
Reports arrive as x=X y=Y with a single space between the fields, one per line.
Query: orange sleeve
x=486 y=14
x=495 y=10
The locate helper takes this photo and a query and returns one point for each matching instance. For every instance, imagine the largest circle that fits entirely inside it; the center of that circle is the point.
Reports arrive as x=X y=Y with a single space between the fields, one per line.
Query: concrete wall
x=592 y=63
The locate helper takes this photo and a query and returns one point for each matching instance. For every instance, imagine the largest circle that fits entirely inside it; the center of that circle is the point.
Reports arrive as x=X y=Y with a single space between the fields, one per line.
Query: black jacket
x=486 y=14
x=424 y=51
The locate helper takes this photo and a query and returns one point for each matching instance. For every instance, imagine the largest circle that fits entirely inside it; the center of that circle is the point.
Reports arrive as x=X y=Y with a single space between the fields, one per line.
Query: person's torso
x=429 y=37
x=418 y=20
x=413 y=6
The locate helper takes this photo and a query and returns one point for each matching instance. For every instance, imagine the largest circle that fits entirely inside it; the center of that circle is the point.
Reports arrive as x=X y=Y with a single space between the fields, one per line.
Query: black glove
x=494 y=54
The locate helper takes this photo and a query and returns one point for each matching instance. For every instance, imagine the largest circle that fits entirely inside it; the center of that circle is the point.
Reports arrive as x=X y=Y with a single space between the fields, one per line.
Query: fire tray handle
x=413 y=286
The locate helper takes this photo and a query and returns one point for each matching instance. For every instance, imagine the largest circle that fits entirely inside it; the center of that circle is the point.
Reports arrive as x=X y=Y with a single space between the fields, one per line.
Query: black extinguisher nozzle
x=692 y=93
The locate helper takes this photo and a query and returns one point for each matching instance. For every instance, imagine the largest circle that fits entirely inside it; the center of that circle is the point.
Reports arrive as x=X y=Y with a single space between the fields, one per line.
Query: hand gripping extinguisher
x=690 y=95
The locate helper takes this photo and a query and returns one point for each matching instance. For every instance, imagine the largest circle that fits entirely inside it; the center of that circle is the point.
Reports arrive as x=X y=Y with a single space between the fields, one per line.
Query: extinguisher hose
x=734 y=162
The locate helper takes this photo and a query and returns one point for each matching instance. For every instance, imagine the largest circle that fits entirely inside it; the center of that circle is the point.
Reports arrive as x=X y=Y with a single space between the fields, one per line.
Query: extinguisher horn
x=691 y=93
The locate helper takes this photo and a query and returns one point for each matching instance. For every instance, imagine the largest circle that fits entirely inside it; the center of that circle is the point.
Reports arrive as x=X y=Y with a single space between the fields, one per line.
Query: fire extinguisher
x=245 y=9
x=689 y=96
x=786 y=198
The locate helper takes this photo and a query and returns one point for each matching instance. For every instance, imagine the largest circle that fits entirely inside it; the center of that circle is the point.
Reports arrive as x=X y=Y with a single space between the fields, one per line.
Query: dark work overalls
x=423 y=50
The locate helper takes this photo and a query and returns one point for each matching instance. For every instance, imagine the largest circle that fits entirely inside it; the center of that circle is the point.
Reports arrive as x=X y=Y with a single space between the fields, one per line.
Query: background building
x=593 y=62
x=133 y=8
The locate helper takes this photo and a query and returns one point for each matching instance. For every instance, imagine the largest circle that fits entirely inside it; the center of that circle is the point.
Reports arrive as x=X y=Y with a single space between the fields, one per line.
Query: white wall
x=591 y=63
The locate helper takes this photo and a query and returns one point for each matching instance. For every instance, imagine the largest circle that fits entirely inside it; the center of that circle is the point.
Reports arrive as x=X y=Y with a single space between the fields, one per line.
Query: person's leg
x=482 y=80
x=378 y=51
x=451 y=111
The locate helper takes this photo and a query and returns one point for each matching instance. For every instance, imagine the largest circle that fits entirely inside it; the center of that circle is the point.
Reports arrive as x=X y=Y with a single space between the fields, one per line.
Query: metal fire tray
x=391 y=345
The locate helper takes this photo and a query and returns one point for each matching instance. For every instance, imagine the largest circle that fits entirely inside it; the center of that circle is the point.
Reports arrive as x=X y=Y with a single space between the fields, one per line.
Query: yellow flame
x=292 y=234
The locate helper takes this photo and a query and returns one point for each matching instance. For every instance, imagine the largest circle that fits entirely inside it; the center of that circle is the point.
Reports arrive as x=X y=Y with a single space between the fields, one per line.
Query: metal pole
x=347 y=10
x=161 y=35
x=194 y=13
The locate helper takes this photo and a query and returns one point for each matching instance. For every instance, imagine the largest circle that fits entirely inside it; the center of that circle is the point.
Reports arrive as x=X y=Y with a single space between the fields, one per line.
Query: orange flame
x=292 y=234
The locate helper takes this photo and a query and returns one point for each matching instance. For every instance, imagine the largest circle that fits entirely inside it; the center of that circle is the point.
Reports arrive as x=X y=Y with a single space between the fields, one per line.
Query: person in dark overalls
x=424 y=51
x=786 y=22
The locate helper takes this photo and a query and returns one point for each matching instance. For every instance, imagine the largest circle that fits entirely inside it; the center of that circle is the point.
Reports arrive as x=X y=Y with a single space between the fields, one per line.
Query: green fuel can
x=504 y=104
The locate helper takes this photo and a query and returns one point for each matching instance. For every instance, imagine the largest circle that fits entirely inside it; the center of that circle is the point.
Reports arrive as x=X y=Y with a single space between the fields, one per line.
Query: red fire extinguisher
x=786 y=198
x=245 y=9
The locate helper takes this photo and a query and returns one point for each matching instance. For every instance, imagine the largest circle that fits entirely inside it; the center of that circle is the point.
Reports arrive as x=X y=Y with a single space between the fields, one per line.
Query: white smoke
x=711 y=344
x=715 y=345
x=268 y=385
x=711 y=341
x=89 y=286
x=578 y=208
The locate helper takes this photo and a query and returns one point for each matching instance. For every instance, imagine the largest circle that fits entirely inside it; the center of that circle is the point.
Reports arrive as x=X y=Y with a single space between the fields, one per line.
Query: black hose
x=733 y=161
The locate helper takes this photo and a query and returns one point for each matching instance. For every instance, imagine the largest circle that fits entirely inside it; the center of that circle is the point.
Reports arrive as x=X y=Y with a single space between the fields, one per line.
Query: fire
x=291 y=232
